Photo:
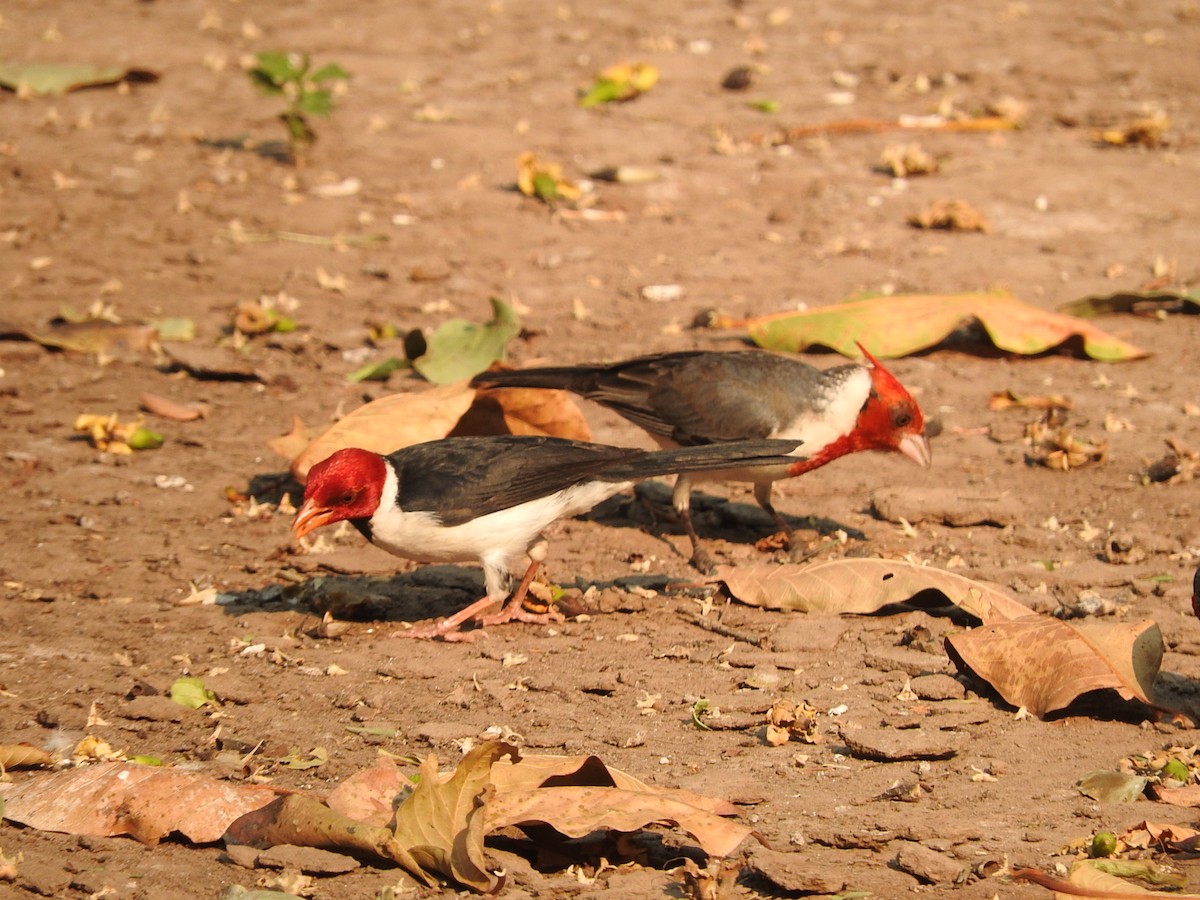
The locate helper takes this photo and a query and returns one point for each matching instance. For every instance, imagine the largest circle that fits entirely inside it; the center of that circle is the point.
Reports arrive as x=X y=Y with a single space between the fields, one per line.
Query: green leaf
x=264 y=82
x=899 y=325
x=145 y=439
x=190 y=691
x=317 y=102
x=143 y=760
x=767 y=106
x=174 y=328
x=460 y=349
x=300 y=760
x=379 y=370
x=329 y=72
x=279 y=67
x=59 y=78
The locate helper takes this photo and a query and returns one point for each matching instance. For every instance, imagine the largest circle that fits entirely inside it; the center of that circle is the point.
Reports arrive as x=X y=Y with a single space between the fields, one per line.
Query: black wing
x=460 y=479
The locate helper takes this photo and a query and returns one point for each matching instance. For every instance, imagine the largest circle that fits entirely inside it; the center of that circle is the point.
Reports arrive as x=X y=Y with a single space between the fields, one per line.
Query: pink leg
x=450 y=629
x=515 y=608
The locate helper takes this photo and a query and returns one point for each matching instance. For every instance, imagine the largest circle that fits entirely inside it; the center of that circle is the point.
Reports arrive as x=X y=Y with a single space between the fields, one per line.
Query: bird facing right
x=703 y=397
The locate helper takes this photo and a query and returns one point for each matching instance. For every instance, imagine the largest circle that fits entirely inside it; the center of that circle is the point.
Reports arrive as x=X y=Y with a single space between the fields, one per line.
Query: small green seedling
x=290 y=75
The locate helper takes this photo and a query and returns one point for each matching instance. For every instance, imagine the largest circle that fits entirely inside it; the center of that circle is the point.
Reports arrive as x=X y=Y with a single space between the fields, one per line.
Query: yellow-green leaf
x=899 y=325
x=460 y=349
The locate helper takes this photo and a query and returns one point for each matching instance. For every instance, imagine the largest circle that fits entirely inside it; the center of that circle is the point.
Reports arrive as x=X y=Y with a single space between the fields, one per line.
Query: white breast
x=500 y=539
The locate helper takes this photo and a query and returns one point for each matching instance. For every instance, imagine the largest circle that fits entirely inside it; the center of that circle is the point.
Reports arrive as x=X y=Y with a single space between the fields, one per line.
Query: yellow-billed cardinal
x=699 y=397
x=489 y=499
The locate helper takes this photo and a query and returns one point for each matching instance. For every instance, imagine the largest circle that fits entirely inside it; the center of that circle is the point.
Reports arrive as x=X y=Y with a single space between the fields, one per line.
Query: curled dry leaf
x=23 y=756
x=523 y=411
x=169 y=409
x=903 y=160
x=1148 y=131
x=861 y=586
x=110 y=434
x=1060 y=449
x=539 y=178
x=620 y=83
x=1044 y=664
x=1012 y=400
x=145 y=802
x=951 y=215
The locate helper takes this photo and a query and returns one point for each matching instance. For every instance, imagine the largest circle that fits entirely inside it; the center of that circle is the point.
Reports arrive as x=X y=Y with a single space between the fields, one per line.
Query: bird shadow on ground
x=714 y=517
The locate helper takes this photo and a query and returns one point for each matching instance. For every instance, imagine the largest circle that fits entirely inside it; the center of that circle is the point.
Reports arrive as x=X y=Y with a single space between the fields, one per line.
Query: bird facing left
x=488 y=499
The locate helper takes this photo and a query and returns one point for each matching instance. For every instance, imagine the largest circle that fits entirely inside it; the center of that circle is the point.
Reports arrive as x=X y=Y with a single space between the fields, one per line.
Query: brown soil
x=113 y=188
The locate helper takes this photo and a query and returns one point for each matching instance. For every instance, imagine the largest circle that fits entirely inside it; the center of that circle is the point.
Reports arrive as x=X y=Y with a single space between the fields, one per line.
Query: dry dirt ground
x=108 y=195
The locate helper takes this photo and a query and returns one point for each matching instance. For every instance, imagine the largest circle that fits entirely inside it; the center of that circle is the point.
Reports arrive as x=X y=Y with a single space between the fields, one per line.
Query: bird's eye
x=903 y=420
x=347 y=498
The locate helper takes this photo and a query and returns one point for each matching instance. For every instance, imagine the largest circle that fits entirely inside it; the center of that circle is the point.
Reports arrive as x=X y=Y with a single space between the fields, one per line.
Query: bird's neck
x=840 y=446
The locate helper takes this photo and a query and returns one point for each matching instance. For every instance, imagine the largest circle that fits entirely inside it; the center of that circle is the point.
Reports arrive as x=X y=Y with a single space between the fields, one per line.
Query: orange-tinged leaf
x=389 y=423
x=369 y=795
x=305 y=822
x=146 y=802
x=292 y=444
x=577 y=811
x=23 y=756
x=861 y=586
x=1044 y=664
x=899 y=325
x=532 y=772
x=524 y=411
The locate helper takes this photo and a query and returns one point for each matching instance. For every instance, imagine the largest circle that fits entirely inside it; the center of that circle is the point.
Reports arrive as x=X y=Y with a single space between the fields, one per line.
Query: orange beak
x=916 y=448
x=310 y=517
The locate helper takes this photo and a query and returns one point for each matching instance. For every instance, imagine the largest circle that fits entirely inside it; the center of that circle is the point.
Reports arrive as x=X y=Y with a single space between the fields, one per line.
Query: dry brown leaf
x=1188 y=795
x=951 y=215
x=577 y=811
x=23 y=756
x=1088 y=879
x=1044 y=664
x=523 y=411
x=443 y=824
x=1011 y=400
x=145 y=802
x=304 y=822
x=169 y=409
x=389 y=423
x=532 y=772
x=292 y=444
x=861 y=586
x=370 y=795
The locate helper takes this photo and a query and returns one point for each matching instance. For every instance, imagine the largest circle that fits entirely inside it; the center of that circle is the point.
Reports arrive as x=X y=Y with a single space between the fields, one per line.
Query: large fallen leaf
x=400 y=420
x=533 y=772
x=1088 y=879
x=897 y=326
x=23 y=756
x=523 y=411
x=459 y=349
x=59 y=78
x=371 y=795
x=442 y=823
x=305 y=822
x=861 y=586
x=578 y=811
x=145 y=802
x=389 y=423
x=1045 y=664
